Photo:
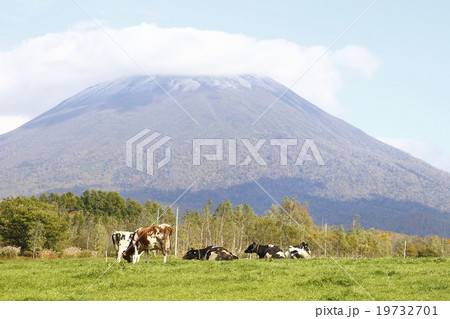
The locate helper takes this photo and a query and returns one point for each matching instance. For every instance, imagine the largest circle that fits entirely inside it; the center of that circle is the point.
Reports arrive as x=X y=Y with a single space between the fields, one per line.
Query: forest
x=69 y=225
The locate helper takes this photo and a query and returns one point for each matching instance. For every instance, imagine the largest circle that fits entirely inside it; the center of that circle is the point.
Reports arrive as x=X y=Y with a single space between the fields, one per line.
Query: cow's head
x=251 y=249
x=192 y=254
x=305 y=247
x=128 y=253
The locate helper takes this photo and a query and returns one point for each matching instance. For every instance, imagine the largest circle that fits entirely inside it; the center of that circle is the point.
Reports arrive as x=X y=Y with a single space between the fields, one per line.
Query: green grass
x=314 y=279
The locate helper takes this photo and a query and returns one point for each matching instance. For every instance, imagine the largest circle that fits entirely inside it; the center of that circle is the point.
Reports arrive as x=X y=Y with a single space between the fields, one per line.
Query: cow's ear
x=254 y=243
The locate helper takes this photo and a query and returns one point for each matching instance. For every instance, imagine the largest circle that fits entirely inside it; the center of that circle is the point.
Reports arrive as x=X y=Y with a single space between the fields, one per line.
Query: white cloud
x=362 y=63
x=9 y=123
x=43 y=71
x=424 y=151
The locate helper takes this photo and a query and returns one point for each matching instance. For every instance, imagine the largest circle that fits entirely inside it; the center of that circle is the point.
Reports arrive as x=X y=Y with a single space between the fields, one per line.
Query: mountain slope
x=81 y=144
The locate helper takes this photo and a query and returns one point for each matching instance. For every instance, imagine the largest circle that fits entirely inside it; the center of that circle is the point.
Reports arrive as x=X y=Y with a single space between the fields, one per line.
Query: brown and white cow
x=148 y=238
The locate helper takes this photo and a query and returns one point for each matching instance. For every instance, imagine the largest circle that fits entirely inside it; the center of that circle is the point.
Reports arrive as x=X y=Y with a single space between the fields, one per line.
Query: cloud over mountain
x=54 y=66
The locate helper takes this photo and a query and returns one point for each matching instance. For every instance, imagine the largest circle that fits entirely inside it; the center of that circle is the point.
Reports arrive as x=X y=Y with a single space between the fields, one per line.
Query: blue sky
x=397 y=89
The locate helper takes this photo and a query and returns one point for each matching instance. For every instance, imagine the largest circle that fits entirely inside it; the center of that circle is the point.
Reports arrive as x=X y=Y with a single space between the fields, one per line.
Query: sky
x=380 y=65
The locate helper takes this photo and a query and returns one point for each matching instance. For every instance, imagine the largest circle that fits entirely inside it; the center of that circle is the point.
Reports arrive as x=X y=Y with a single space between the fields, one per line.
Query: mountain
x=81 y=144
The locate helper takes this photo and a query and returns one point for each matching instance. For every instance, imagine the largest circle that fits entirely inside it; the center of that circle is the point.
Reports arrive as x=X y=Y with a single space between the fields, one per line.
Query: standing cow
x=121 y=240
x=299 y=251
x=210 y=253
x=265 y=251
x=148 y=238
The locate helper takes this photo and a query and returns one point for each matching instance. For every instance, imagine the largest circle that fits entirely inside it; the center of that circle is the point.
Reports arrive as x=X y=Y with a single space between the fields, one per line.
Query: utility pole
x=157 y=223
x=176 y=234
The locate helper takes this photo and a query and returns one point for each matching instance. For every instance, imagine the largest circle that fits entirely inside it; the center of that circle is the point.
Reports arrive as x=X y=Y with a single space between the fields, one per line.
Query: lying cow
x=148 y=238
x=265 y=251
x=121 y=240
x=210 y=253
x=299 y=251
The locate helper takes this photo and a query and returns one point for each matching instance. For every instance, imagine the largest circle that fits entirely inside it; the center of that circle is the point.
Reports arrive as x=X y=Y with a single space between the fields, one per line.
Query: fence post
x=404 y=251
x=176 y=234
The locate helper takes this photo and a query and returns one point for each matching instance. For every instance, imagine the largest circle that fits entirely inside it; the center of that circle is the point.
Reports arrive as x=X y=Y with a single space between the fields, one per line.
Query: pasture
x=313 y=279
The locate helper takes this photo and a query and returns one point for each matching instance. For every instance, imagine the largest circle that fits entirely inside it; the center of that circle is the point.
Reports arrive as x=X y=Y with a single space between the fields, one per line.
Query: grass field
x=314 y=279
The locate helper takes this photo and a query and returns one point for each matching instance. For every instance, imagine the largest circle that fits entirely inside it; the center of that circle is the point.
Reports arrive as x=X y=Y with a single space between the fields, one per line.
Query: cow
x=210 y=253
x=121 y=240
x=265 y=251
x=148 y=238
x=299 y=251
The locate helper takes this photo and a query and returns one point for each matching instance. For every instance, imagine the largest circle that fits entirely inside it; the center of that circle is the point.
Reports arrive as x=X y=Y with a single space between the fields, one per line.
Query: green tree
x=411 y=250
x=99 y=237
x=267 y=230
x=224 y=217
x=133 y=208
x=116 y=205
x=208 y=222
x=167 y=216
x=69 y=201
x=238 y=228
x=19 y=220
x=191 y=226
x=249 y=224
x=37 y=237
x=44 y=198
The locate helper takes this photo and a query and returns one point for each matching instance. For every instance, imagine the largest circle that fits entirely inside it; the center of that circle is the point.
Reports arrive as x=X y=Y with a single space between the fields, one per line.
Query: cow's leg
x=146 y=256
x=135 y=256
x=139 y=256
x=165 y=254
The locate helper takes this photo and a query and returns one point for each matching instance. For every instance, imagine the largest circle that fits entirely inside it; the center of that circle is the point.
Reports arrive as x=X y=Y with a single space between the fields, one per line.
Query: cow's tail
x=167 y=232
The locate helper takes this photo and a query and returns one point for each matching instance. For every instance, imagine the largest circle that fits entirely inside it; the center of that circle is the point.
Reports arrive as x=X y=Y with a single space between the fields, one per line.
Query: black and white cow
x=299 y=251
x=265 y=251
x=210 y=253
x=121 y=240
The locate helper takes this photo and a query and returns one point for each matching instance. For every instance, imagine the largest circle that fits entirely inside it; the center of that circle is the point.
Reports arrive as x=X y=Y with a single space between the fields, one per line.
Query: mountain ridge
x=80 y=143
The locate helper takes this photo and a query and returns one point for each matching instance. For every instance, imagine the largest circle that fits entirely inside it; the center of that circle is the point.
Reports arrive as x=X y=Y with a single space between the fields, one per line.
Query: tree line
x=59 y=221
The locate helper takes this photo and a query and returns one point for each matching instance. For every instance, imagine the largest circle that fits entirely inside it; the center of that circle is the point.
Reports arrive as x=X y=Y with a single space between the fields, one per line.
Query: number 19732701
x=406 y=310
